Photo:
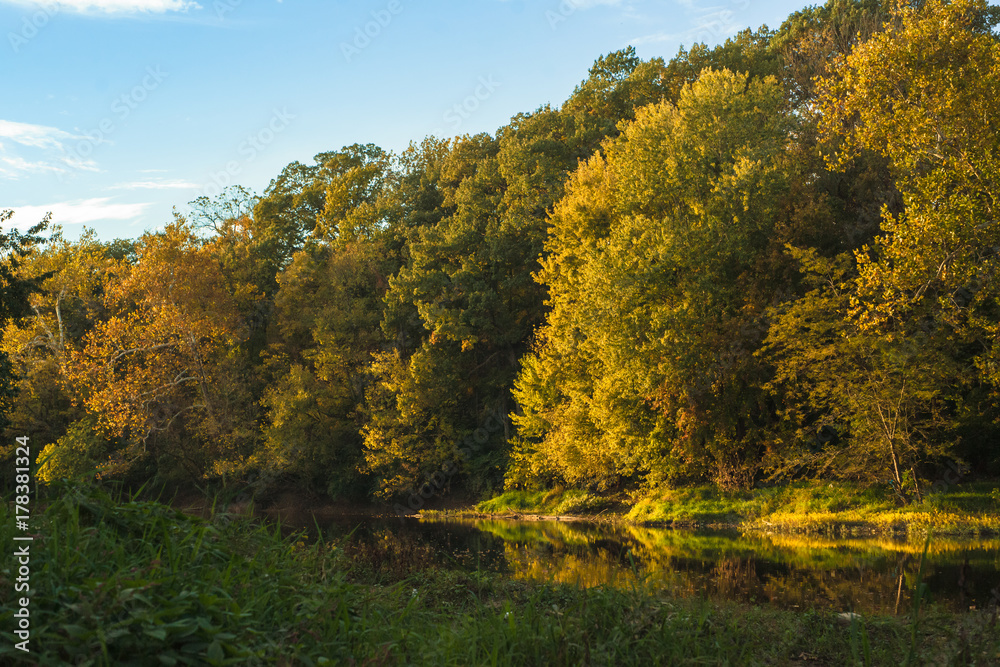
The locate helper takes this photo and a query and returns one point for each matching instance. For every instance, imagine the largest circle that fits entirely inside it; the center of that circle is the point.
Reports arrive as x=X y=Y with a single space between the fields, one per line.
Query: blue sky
x=114 y=111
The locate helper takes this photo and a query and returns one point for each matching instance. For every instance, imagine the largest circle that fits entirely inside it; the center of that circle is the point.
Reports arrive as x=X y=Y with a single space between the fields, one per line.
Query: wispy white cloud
x=12 y=166
x=35 y=149
x=37 y=136
x=176 y=184
x=112 y=6
x=587 y=4
x=710 y=25
x=78 y=212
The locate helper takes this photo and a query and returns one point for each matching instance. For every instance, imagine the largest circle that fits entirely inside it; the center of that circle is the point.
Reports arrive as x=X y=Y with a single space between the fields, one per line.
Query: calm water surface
x=865 y=575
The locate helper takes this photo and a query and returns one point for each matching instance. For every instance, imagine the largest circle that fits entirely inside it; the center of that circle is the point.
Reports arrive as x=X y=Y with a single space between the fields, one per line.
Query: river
x=806 y=572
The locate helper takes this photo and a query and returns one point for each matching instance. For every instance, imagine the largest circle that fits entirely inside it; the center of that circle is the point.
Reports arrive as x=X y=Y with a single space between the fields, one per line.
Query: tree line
x=770 y=259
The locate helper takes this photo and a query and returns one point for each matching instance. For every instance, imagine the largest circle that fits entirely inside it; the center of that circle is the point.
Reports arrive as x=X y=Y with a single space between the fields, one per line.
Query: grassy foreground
x=120 y=583
x=971 y=508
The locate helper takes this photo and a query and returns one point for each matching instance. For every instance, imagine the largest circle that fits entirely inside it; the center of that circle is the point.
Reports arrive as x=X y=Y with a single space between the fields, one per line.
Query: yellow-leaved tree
x=68 y=303
x=658 y=278
x=893 y=351
x=925 y=93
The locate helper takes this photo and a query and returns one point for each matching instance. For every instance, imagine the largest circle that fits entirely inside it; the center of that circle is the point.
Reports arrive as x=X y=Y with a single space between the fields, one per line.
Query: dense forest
x=772 y=259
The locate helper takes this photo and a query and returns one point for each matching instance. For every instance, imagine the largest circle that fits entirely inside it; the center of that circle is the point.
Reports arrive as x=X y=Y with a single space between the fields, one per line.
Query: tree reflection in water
x=865 y=575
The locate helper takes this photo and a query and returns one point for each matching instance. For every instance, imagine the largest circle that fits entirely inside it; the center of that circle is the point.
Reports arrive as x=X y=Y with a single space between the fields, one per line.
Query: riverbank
x=116 y=582
x=804 y=507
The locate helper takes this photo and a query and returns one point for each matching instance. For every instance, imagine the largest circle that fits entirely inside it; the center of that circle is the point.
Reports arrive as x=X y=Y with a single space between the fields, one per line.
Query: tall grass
x=128 y=582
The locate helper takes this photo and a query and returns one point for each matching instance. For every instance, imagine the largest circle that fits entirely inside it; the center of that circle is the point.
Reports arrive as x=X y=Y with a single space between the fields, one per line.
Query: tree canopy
x=769 y=258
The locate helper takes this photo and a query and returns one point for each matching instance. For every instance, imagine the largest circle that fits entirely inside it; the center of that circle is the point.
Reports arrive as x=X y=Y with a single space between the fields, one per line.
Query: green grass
x=972 y=508
x=550 y=502
x=518 y=501
x=710 y=505
x=120 y=583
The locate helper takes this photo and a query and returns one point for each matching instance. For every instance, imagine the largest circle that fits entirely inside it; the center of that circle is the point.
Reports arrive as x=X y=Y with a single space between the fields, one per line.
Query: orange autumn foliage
x=149 y=365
